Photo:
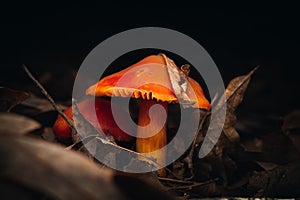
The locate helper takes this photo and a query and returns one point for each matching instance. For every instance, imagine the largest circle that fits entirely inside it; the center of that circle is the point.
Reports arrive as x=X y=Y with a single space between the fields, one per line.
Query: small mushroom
x=148 y=80
x=104 y=123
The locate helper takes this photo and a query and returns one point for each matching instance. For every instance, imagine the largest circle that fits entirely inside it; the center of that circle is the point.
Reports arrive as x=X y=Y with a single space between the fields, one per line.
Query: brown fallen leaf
x=60 y=174
x=234 y=96
x=37 y=105
x=216 y=144
x=291 y=127
x=283 y=182
x=17 y=124
x=10 y=98
x=56 y=172
x=268 y=150
x=291 y=122
x=179 y=81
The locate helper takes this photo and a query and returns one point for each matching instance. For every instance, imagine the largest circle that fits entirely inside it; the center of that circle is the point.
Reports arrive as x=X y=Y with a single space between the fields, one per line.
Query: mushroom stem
x=155 y=142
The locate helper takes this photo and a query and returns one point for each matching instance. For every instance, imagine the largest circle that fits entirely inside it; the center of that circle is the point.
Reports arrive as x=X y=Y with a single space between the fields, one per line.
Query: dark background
x=52 y=40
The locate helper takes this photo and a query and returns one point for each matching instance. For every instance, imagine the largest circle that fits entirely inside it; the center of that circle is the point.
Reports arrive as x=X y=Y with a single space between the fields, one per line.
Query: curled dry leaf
x=234 y=96
x=179 y=81
x=13 y=123
x=10 y=98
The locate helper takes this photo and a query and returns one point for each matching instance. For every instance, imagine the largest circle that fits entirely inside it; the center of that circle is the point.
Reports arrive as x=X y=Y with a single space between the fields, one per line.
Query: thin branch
x=77 y=145
x=175 y=180
x=195 y=184
x=49 y=98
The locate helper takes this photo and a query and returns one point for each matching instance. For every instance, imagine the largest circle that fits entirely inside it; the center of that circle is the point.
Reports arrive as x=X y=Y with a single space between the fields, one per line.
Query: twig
x=78 y=144
x=195 y=184
x=175 y=180
x=49 y=98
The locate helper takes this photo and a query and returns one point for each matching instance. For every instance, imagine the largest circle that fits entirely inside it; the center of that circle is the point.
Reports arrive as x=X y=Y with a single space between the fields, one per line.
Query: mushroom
x=149 y=80
x=104 y=122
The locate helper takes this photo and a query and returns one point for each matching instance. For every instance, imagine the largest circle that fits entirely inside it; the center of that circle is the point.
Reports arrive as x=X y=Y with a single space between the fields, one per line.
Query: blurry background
x=52 y=40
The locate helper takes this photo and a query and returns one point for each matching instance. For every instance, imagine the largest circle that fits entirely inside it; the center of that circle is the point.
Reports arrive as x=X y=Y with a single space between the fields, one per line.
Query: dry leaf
x=10 y=98
x=234 y=96
x=291 y=127
x=282 y=181
x=51 y=169
x=267 y=165
x=179 y=81
x=61 y=174
x=38 y=105
x=268 y=150
x=13 y=123
x=291 y=121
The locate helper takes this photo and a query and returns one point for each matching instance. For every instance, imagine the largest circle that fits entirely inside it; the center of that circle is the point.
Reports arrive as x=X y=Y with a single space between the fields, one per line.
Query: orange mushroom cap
x=147 y=79
x=104 y=123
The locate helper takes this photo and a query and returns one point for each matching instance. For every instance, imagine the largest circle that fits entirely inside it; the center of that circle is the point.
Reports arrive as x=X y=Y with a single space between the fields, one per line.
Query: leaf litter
x=255 y=166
